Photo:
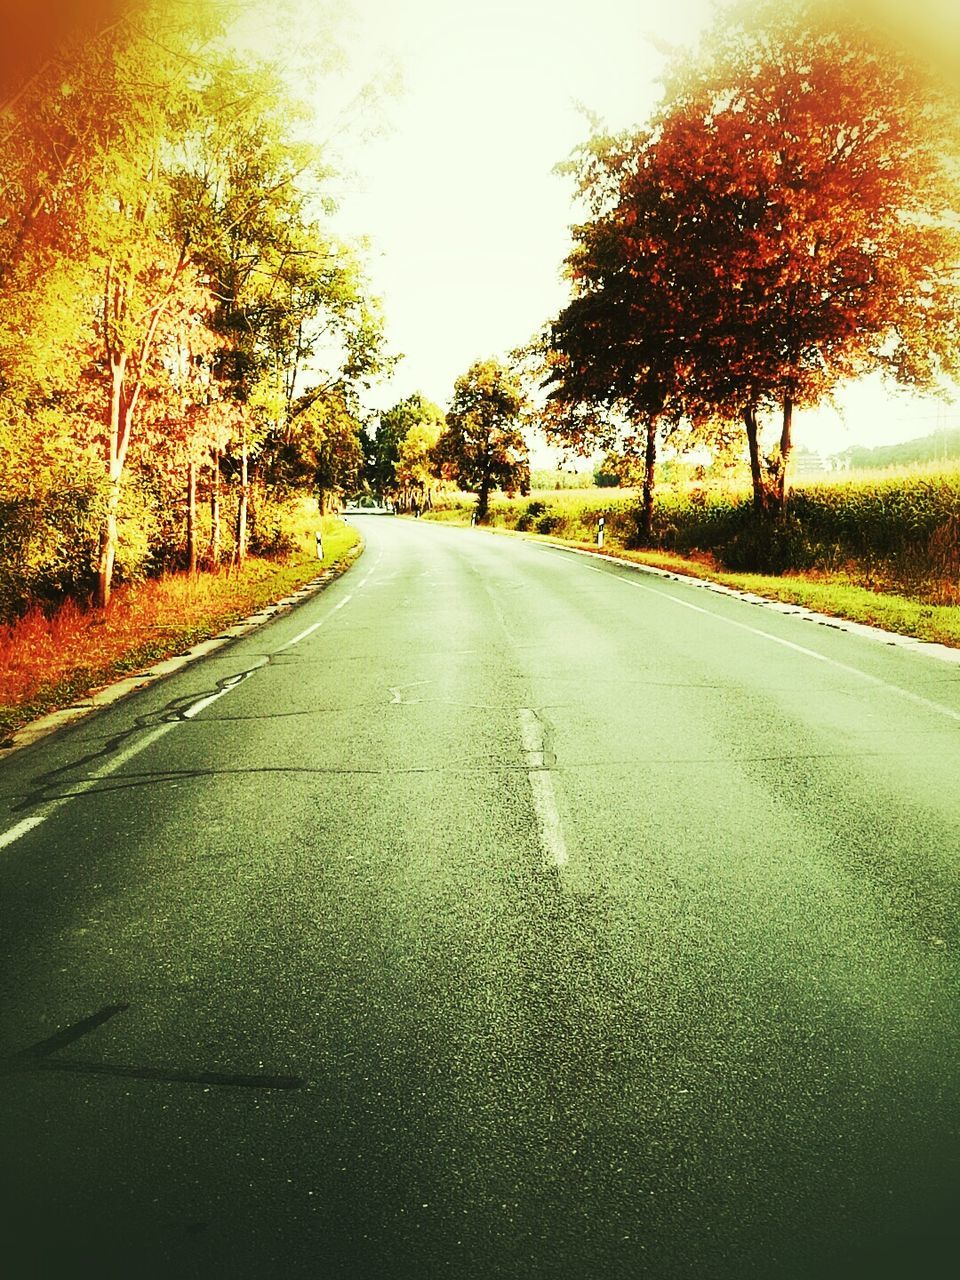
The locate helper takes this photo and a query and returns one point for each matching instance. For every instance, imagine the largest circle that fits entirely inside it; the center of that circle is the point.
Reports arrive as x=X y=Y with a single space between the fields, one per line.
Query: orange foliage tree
x=784 y=226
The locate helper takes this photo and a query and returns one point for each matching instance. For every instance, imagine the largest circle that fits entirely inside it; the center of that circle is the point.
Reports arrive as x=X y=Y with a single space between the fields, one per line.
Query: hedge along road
x=497 y=913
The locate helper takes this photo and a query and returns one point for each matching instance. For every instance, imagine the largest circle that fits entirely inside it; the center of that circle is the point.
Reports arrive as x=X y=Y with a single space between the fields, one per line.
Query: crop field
x=895 y=532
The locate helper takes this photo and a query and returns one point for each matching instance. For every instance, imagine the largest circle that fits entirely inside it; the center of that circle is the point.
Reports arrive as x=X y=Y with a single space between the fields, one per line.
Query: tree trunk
x=117 y=433
x=649 y=480
x=192 y=519
x=215 y=510
x=483 y=497
x=242 y=504
x=756 y=467
x=108 y=547
x=786 y=448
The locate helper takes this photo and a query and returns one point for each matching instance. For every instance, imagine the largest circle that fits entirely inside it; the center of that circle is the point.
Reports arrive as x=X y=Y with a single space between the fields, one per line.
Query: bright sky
x=468 y=225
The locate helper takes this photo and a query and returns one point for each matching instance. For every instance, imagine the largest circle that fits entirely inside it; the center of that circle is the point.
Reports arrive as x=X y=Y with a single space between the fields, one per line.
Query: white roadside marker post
x=600 y=532
x=319 y=536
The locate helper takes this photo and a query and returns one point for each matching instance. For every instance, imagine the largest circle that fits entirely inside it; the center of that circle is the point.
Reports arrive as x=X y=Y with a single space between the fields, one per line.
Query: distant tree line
x=477 y=446
x=939 y=446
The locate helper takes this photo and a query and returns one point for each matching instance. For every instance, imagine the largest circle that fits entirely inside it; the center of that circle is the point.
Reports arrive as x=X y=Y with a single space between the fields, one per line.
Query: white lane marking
x=117 y=761
x=316 y=626
x=228 y=687
x=363 y=581
x=915 y=698
x=549 y=827
x=86 y=784
x=531 y=735
x=21 y=829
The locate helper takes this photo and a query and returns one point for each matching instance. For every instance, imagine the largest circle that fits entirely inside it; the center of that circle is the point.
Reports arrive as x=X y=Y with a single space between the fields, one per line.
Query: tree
x=325 y=452
x=291 y=298
x=416 y=469
x=807 y=226
x=403 y=462
x=176 y=305
x=619 y=348
x=482 y=446
x=782 y=227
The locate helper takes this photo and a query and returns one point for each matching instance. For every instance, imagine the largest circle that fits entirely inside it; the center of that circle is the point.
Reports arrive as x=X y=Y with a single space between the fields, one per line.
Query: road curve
x=496 y=913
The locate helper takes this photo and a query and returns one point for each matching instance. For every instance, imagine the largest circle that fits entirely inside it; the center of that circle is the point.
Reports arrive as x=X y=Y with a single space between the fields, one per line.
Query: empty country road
x=498 y=913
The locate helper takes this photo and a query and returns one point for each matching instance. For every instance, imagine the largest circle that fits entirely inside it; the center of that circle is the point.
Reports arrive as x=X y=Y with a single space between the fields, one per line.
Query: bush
x=527 y=517
x=48 y=546
x=276 y=530
x=769 y=544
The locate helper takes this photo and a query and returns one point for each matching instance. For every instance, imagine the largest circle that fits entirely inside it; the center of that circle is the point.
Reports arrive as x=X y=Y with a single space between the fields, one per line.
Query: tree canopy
x=785 y=224
x=176 y=303
x=482 y=447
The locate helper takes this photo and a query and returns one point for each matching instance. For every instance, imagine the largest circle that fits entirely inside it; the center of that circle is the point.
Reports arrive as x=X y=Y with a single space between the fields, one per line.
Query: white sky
x=468 y=225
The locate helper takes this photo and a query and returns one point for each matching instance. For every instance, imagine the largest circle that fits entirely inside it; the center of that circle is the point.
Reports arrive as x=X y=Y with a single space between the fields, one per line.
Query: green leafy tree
x=292 y=305
x=416 y=468
x=401 y=462
x=482 y=447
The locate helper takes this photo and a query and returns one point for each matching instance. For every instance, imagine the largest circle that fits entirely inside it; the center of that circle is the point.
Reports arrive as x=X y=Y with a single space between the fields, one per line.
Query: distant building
x=807 y=465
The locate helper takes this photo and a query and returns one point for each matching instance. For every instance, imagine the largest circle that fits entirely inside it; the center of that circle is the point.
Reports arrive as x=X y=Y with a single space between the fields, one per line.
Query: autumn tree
x=292 y=309
x=782 y=227
x=616 y=358
x=416 y=468
x=86 y=240
x=807 y=224
x=325 y=454
x=154 y=195
x=482 y=447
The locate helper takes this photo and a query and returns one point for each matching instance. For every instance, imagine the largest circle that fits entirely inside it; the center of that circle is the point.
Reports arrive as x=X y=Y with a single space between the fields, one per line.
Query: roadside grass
x=48 y=662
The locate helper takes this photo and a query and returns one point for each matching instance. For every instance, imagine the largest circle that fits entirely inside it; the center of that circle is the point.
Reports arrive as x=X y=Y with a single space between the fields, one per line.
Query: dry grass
x=48 y=662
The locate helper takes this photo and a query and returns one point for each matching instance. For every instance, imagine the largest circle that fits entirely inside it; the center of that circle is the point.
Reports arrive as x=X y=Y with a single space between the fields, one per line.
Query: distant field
x=897 y=529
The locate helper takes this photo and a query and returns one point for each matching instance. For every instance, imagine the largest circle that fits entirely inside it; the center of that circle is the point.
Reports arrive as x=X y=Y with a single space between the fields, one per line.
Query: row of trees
x=785 y=223
x=179 y=322
x=478 y=446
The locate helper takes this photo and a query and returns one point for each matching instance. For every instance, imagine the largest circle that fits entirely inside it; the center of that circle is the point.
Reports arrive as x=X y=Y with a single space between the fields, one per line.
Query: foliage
x=182 y=332
x=901 y=532
x=785 y=224
x=560 y=479
x=618 y=469
x=939 y=446
x=482 y=447
x=401 y=464
x=51 y=658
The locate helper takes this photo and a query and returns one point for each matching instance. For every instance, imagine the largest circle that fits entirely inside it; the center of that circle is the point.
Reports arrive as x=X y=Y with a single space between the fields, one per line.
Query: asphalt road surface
x=497 y=913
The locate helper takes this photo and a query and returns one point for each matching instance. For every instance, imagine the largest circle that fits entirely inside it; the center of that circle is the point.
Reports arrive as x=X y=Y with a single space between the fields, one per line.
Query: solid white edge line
x=86 y=784
x=316 y=626
x=909 y=644
x=661 y=594
x=24 y=827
